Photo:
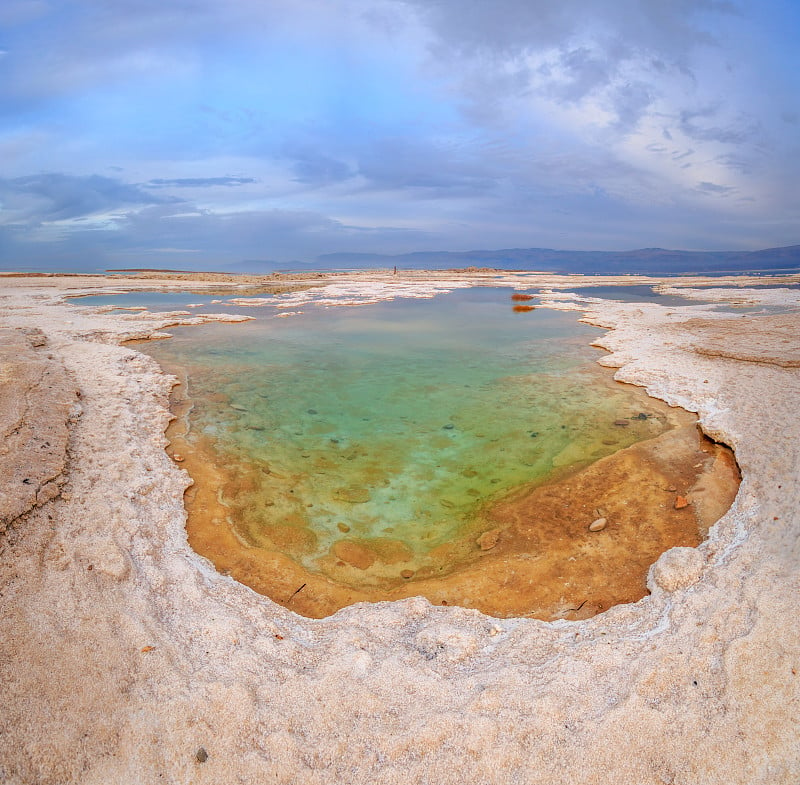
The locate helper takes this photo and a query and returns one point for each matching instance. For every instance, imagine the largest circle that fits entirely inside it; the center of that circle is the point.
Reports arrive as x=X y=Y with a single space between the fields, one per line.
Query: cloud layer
x=199 y=133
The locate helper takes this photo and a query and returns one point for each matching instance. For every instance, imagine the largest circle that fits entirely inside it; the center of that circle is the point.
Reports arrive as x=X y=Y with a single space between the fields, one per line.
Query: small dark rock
x=534 y=434
x=201 y=756
x=312 y=411
x=641 y=416
x=448 y=427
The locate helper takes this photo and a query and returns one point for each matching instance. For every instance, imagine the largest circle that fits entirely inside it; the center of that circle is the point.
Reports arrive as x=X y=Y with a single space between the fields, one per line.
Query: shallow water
x=631 y=294
x=365 y=444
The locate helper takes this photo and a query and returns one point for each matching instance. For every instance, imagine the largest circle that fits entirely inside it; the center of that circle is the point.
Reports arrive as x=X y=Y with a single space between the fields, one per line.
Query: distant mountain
x=652 y=261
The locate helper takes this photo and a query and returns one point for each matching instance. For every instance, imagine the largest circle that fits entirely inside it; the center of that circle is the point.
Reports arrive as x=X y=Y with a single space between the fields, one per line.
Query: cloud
x=712 y=189
x=737 y=132
x=377 y=124
x=311 y=166
x=40 y=198
x=621 y=56
x=198 y=182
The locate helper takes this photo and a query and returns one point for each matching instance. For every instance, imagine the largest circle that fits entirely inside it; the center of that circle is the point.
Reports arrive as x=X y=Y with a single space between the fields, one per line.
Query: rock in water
x=352 y=495
x=489 y=539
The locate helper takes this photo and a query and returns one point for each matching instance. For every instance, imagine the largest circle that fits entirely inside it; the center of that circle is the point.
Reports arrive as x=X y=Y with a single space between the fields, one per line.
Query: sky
x=198 y=134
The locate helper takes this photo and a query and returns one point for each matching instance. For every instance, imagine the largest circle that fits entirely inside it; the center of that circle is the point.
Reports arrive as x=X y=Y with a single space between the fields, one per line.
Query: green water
x=398 y=421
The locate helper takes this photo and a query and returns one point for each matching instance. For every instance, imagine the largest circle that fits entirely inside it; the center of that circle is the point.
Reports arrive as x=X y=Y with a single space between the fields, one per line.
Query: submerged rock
x=488 y=540
x=598 y=525
x=352 y=495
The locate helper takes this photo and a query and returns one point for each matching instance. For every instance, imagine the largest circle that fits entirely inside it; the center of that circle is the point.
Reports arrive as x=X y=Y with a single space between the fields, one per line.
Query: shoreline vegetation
x=123 y=653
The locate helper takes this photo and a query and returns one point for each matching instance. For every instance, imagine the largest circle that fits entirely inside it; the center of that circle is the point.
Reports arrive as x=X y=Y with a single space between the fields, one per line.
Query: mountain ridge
x=641 y=260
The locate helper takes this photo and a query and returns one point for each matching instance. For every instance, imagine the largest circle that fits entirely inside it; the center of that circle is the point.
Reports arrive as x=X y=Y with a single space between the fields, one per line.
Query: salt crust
x=122 y=653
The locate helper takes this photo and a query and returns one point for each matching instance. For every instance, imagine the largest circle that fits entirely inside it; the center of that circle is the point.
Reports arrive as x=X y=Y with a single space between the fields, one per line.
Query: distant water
x=631 y=294
x=393 y=425
x=163 y=301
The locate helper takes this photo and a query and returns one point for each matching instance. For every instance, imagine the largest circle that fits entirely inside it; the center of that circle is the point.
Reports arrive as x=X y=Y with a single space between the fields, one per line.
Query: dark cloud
x=699 y=125
x=631 y=102
x=311 y=166
x=584 y=71
x=513 y=27
x=181 y=235
x=53 y=197
x=735 y=162
x=199 y=182
x=579 y=49
x=712 y=189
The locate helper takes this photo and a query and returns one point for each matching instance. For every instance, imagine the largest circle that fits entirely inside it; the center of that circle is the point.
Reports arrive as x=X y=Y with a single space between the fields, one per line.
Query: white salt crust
x=125 y=658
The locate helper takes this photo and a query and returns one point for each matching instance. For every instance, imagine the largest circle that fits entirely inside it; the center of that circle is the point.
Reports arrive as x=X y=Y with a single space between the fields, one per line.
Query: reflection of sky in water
x=161 y=301
x=399 y=419
x=631 y=294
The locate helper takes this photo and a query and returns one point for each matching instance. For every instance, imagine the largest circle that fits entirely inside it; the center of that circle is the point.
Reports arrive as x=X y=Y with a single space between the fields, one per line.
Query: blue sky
x=198 y=134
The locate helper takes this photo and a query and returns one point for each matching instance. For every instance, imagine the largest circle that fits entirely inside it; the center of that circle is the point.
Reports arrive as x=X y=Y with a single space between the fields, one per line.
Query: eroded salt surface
x=123 y=654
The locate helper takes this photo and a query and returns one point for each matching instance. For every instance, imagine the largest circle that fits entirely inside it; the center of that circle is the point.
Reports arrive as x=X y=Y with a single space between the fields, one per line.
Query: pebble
x=352 y=495
x=488 y=540
x=178 y=457
x=343 y=527
x=622 y=423
x=201 y=756
x=407 y=574
x=598 y=525
x=448 y=427
x=681 y=502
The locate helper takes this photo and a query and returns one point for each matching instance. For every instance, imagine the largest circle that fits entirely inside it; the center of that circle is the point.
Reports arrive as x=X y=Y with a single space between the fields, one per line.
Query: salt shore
x=125 y=658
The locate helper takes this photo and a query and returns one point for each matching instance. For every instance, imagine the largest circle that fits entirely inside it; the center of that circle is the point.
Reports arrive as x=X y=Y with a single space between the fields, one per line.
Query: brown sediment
x=530 y=553
x=522 y=308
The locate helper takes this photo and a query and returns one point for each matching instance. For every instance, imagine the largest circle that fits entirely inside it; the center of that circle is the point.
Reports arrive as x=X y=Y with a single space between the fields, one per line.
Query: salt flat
x=125 y=658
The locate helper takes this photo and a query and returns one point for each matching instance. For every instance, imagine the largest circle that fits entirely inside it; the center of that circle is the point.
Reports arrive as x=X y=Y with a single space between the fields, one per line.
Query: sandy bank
x=123 y=654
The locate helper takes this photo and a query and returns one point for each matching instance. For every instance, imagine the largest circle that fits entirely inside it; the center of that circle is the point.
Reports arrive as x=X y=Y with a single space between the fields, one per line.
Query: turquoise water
x=393 y=425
